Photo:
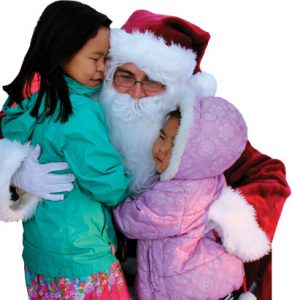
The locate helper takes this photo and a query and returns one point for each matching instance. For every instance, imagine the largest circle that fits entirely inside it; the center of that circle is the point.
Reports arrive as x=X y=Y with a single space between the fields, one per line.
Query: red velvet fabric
x=172 y=29
x=262 y=182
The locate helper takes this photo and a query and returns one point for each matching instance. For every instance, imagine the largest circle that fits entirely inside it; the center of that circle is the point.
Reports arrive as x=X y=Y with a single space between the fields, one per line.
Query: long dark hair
x=62 y=30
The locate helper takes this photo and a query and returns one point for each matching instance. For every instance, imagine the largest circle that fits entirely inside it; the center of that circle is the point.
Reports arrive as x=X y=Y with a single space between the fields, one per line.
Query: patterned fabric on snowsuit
x=176 y=259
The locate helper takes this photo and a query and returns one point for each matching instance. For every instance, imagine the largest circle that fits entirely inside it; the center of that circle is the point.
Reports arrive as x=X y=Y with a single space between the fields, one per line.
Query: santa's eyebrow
x=125 y=71
x=130 y=73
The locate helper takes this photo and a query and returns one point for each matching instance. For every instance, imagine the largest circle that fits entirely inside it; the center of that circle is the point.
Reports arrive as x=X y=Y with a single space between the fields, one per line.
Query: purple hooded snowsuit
x=176 y=258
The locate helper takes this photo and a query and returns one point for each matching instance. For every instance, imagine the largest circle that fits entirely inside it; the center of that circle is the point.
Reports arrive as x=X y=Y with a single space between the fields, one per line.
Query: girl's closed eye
x=95 y=56
x=162 y=134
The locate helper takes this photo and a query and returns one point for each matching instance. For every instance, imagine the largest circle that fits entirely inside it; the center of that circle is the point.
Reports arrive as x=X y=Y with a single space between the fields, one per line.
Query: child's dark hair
x=175 y=113
x=62 y=30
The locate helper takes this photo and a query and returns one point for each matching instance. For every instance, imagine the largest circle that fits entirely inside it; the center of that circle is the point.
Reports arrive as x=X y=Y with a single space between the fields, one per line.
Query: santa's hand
x=37 y=179
x=239 y=231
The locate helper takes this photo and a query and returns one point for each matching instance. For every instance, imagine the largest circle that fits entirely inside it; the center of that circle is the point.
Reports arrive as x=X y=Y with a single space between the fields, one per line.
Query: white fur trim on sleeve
x=241 y=234
x=12 y=153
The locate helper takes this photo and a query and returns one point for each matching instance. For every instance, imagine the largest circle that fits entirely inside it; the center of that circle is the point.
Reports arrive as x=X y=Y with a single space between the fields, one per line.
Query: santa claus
x=153 y=62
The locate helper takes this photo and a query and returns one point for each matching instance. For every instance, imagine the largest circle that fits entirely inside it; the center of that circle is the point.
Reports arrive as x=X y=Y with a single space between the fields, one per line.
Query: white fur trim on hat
x=238 y=228
x=166 y=64
x=12 y=155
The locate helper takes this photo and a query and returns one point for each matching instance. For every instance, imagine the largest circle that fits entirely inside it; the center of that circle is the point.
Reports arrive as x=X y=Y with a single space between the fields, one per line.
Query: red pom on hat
x=172 y=30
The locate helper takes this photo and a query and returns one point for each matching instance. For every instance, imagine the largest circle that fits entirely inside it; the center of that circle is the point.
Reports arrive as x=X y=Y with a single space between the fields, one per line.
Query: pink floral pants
x=100 y=286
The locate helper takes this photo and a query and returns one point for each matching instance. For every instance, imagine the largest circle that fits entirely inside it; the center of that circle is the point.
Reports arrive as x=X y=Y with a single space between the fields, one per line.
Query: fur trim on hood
x=211 y=137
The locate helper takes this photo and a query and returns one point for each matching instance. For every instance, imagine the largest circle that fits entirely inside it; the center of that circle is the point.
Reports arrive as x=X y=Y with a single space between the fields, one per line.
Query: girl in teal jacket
x=69 y=245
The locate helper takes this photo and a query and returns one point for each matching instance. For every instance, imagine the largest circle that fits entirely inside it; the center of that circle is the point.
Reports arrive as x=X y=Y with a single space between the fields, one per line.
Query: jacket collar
x=78 y=88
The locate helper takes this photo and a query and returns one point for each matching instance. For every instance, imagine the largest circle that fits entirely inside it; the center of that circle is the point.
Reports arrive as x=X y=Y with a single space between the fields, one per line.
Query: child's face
x=87 y=66
x=162 y=147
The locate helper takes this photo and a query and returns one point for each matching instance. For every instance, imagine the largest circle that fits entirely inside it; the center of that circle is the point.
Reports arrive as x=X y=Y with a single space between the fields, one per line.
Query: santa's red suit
x=262 y=182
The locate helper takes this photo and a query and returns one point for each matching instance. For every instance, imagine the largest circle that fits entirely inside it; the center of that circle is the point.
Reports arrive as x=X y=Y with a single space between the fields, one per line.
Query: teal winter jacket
x=71 y=238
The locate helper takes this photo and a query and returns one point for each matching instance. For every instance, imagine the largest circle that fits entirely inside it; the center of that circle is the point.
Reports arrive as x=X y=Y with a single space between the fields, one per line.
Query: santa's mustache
x=126 y=108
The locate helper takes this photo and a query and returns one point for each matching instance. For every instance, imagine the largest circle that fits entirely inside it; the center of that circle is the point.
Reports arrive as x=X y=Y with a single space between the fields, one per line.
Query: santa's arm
x=19 y=166
x=261 y=181
x=248 y=213
x=236 y=224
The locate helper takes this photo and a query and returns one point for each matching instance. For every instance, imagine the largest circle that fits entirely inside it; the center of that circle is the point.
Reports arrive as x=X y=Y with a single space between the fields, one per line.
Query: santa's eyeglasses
x=125 y=79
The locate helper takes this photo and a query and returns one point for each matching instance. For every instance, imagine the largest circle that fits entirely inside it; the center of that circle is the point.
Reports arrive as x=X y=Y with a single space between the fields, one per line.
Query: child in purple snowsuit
x=178 y=257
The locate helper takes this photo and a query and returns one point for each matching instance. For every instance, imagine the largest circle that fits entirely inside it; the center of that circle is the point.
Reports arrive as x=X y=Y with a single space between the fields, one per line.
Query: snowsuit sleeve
x=152 y=215
x=171 y=208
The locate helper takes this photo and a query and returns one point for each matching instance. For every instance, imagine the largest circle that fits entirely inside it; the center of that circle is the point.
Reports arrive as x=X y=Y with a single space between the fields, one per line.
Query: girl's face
x=162 y=147
x=87 y=66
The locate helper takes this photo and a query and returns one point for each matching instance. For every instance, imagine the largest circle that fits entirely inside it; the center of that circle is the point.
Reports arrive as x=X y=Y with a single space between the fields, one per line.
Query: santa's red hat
x=167 y=48
x=172 y=29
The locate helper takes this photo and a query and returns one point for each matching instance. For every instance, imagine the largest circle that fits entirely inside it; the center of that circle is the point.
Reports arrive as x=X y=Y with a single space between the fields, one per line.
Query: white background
x=250 y=55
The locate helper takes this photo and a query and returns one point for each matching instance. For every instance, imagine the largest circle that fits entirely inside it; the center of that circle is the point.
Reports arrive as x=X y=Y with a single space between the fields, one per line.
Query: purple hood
x=211 y=137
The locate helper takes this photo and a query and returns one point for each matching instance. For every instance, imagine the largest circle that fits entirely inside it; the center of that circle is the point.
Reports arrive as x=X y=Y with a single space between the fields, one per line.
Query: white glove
x=35 y=178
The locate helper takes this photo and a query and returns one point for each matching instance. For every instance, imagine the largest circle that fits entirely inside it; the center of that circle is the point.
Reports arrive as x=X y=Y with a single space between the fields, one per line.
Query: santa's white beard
x=134 y=125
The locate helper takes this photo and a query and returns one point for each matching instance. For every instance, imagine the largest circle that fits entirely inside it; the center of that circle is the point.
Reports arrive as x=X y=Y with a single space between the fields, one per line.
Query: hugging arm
x=248 y=213
x=96 y=164
x=19 y=166
x=153 y=215
x=261 y=180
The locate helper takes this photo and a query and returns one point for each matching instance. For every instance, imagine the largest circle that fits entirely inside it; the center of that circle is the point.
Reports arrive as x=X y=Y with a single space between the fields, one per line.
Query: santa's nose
x=137 y=91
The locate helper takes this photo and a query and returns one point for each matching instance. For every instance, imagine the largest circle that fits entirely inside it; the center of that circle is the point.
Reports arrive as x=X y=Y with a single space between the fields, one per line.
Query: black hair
x=175 y=113
x=61 y=31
